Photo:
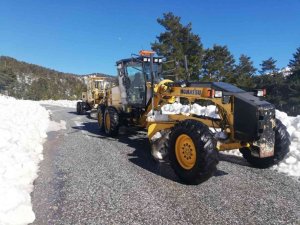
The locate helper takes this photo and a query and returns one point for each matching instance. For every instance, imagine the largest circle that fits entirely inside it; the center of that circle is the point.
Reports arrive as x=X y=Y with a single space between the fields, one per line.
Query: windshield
x=156 y=70
x=135 y=85
x=98 y=84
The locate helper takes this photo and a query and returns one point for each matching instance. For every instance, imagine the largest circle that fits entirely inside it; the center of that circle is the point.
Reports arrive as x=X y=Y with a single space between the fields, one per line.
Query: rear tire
x=282 y=143
x=111 y=121
x=192 y=151
x=79 y=108
x=100 y=116
x=84 y=106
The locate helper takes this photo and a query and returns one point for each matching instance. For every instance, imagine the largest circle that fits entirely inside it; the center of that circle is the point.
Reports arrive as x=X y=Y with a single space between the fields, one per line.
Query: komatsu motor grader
x=245 y=121
x=95 y=94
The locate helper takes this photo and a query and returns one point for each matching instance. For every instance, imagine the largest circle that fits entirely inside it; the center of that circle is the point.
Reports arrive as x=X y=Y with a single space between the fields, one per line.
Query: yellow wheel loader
x=95 y=94
x=243 y=119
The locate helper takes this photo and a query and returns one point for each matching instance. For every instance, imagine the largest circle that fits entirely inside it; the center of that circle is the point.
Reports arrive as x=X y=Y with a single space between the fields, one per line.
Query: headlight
x=218 y=94
x=261 y=93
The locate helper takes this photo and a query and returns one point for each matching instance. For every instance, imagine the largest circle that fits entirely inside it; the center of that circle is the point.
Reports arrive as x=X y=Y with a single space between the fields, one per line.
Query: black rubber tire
x=79 y=108
x=83 y=108
x=207 y=156
x=282 y=143
x=100 y=116
x=113 y=130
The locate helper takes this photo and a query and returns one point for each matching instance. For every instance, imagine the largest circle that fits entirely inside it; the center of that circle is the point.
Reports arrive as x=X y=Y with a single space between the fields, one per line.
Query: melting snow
x=62 y=103
x=54 y=126
x=23 y=126
x=291 y=164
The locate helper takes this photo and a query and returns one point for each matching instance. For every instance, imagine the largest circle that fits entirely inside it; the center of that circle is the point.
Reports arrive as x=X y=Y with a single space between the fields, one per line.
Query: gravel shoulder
x=88 y=178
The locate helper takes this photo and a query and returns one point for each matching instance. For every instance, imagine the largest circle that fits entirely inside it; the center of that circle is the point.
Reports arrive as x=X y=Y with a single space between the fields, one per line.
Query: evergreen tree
x=294 y=63
x=268 y=66
x=7 y=80
x=294 y=84
x=218 y=65
x=294 y=93
x=244 y=72
x=274 y=82
x=176 y=42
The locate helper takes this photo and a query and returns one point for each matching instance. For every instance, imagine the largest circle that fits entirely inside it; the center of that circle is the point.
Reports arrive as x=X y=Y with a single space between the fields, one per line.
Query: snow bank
x=23 y=126
x=62 y=103
x=291 y=163
x=178 y=108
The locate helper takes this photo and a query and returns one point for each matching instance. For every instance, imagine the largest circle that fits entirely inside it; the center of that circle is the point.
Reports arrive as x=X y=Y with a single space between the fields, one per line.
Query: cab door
x=136 y=85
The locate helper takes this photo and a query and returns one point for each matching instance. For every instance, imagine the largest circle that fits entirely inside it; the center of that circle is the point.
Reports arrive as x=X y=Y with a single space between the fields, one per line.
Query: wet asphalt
x=89 y=178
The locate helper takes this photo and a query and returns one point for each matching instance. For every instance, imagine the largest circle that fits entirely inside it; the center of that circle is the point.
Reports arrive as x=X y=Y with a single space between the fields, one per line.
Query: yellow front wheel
x=107 y=122
x=192 y=151
x=185 y=151
x=111 y=121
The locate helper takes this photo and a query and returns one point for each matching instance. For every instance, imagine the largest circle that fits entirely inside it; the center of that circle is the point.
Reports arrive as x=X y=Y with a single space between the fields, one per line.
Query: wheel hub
x=185 y=151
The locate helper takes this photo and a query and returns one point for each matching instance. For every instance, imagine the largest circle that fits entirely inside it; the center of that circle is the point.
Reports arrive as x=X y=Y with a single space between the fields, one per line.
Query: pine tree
x=268 y=66
x=178 y=41
x=294 y=84
x=274 y=82
x=8 y=79
x=218 y=64
x=244 y=72
x=294 y=63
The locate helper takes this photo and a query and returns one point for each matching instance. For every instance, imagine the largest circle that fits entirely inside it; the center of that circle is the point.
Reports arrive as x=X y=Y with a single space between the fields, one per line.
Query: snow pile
x=23 y=126
x=178 y=108
x=62 y=103
x=291 y=163
x=156 y=116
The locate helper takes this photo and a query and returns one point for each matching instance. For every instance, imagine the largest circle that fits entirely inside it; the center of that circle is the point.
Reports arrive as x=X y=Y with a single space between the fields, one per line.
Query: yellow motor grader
x=245 y=121
x=95 y=94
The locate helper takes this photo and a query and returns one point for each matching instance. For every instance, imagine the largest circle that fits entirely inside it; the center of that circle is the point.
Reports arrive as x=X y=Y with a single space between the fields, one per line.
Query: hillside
x=28 y=81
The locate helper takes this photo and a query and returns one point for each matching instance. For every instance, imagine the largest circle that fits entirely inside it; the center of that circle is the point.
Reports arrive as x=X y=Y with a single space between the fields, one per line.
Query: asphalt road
x=88 y=178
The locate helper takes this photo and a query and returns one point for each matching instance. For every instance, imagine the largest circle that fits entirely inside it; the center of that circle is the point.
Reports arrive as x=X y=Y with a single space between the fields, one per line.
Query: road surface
x=89 y=178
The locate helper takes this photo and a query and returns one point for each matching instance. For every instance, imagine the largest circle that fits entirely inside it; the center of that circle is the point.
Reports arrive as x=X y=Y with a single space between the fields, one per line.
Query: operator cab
x=135 y=78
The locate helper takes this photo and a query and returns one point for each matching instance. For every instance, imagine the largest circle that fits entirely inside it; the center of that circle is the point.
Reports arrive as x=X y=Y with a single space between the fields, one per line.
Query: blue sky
x=88 y=36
